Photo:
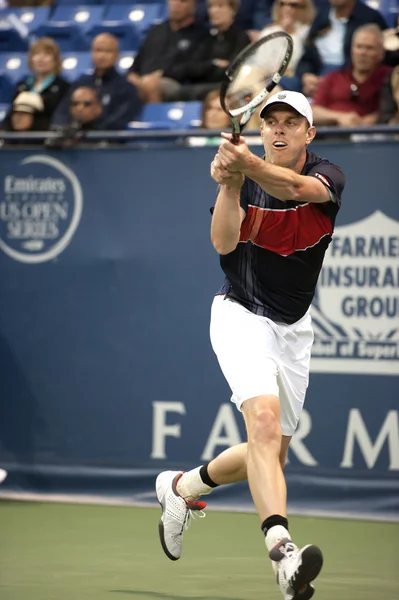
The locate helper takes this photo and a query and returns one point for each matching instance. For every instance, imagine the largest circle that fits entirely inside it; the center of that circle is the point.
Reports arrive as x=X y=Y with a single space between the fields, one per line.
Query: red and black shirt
x=273 y=271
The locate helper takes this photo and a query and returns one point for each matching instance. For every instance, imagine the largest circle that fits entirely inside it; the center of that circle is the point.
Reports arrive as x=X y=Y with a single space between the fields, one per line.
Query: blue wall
x=107 y=276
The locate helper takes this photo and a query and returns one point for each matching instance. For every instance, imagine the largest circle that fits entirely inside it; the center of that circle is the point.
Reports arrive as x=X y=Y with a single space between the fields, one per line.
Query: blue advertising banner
x=107 y=278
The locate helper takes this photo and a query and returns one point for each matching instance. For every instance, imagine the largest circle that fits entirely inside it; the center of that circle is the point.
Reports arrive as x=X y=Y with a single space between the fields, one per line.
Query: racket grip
x=235 y=138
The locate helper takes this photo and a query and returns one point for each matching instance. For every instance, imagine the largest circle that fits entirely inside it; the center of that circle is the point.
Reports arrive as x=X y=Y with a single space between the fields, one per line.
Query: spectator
x=167 y=47
x=23 y=111
x=224 y=41
x=328 y=46
x=252 y=15
x=213 y=115
x=119 y=98
x=391 y=45
x=85 y=109
x=44 y=60
x=295 y=17
x=389 y=109
x=351 y=96
x=85 y=112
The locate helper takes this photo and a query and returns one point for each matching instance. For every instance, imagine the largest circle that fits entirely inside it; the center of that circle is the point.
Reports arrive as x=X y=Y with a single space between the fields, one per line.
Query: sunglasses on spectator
x=291 y=4
x=85 y=103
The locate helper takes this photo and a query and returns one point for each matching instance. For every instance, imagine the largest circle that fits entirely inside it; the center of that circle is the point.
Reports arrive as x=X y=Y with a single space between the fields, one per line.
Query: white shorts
x=258 y=357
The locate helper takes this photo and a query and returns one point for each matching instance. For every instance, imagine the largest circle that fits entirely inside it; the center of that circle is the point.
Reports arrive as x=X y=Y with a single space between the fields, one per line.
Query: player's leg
x=234 y=330
x=295 y=567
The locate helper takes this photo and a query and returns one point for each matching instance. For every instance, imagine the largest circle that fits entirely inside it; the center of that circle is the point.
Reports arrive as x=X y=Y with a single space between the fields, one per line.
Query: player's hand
x=233 y=157
x=224 y=177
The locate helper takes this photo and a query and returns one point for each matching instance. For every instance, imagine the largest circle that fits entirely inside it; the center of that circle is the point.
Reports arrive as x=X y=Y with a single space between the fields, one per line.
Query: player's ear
x=310 y=134
x=261 y=129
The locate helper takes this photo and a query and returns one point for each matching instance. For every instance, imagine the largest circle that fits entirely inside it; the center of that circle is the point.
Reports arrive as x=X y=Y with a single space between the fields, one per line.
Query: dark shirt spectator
x=389 y=106
x=224 y=41
x=85 y=114
x=351 y=96
x=338 y=21
x=119 y=98
x=44 y=60
x=168 y=46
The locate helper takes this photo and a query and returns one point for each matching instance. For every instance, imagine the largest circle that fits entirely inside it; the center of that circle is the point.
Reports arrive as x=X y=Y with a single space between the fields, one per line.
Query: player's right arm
x=227 y=213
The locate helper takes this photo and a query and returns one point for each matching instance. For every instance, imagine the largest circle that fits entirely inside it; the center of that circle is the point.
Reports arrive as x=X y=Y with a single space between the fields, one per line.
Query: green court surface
x=72 y=552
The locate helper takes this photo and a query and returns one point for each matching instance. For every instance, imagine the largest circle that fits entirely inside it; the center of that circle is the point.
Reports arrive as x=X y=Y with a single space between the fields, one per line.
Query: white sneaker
x=3 y=475
x=297 y=567
x=176 y=513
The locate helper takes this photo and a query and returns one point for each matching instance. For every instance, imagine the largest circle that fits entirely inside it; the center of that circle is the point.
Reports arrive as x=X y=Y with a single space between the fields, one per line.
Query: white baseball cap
x=298 y=101
x=28 y=102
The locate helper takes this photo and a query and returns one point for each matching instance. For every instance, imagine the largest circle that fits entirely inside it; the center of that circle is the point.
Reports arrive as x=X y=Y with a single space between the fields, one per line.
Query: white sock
x=190 y=485
x=275 y=534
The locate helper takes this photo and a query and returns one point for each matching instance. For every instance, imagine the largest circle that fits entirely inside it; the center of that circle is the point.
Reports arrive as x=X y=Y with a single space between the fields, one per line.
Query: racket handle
x=235 y=138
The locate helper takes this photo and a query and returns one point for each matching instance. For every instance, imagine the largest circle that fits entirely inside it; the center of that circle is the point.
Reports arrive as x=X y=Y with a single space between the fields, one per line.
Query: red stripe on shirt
x=285 y=231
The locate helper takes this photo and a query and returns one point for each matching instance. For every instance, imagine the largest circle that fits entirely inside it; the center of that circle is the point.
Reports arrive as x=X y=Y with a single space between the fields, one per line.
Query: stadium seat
x=85 y=16
x=127 y=34
x=12 y=41
x=77 y=2
x=4 y=108
x=31 y=18
x=169 y=115
x=125 y=61
x=143 y=16
x=7 y=88
x=75 y=64
x=14 y=65
x=390 y=10
x=130 y=2
x=68 y=36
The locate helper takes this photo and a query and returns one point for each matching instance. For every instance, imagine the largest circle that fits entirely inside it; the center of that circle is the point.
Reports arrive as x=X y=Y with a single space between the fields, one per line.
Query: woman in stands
x=294 y=17
x=44 y=60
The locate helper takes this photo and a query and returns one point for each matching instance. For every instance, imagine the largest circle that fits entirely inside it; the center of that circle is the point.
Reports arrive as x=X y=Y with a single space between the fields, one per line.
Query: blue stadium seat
x=12 y=41
x=31 y=18
x=169 y=115
x=85 y=16
x=143 y=16
x=14 y=65
x=125 y=61
x=75 y=64
x=127 y=34
x=76 y=2
x=68 y=36
x=390 y=10
x=4 y=108
x=130 y=2
x=7 y=88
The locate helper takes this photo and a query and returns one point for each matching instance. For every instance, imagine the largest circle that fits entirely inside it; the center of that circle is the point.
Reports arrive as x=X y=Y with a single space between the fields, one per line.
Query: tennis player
x=271 y=225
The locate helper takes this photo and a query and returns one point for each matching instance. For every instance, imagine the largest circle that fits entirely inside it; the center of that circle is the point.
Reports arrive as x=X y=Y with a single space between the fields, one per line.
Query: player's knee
x=264 y=425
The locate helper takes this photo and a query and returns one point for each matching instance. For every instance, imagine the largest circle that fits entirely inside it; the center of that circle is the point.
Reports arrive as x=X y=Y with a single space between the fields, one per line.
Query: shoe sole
x=161 y=530
x=312 y=562
x=163 y=544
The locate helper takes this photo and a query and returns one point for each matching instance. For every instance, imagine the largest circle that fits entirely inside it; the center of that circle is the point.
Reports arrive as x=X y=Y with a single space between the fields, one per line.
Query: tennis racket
x=252 y=75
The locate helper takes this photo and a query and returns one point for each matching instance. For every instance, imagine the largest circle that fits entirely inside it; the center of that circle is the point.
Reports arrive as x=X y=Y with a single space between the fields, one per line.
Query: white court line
x=134 y=502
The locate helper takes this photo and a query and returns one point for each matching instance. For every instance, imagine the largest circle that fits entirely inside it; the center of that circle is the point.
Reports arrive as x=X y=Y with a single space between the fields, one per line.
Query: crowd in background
x=345 y=60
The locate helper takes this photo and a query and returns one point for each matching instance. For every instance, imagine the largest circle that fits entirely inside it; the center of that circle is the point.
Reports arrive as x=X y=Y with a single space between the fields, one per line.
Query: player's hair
x=49 y=46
